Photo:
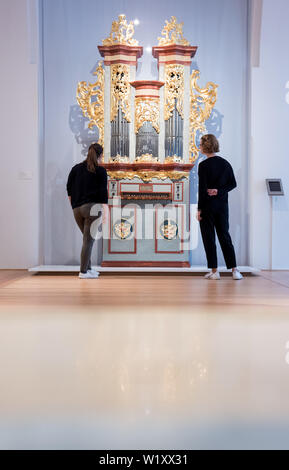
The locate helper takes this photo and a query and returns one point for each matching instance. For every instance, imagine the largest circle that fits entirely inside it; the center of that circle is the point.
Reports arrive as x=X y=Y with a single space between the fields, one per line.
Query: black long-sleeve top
x=215 y=173
x=85 y=186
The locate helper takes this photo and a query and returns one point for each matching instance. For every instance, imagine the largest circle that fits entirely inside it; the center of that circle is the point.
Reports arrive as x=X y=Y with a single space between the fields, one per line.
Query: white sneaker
x=92 y=270
x=89 y=275
x=213 y=276
x=237 y=275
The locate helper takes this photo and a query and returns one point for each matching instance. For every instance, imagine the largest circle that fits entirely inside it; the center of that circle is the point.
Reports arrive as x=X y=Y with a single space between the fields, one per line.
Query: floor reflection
x=143 y=378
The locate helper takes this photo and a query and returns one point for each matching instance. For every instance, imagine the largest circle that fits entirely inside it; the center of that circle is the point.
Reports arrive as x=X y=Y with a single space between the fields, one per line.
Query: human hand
x=198 y=216
x=212 y=192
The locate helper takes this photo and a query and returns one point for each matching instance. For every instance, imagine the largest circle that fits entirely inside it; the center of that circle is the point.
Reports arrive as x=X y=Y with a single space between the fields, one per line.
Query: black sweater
x=84 y=186
x=215 y=173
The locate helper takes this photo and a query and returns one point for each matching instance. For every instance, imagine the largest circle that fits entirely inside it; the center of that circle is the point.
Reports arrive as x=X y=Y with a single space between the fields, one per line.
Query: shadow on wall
x=214 y=126
x=78 y=125
x=84 y=136
x=60 y=241
x=64 y=235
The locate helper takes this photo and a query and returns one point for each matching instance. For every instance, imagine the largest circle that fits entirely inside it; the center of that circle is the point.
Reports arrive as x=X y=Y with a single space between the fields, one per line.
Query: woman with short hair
x=86 y=187
x=216 y=179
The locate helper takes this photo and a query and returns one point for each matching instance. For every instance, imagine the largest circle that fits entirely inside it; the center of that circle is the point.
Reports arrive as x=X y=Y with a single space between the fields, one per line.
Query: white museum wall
x=19 y=202
x=270 y=140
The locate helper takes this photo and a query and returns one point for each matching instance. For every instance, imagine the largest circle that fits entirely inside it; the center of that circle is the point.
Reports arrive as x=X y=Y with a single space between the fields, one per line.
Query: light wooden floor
x=21 y=288
x=147 y=362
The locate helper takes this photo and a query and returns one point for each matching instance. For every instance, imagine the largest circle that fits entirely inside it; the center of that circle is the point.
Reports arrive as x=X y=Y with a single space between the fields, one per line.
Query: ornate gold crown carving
x=176 y=31
x=121 y=33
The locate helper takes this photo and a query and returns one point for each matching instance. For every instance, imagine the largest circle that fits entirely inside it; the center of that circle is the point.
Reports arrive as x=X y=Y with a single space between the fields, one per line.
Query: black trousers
x=215 y=218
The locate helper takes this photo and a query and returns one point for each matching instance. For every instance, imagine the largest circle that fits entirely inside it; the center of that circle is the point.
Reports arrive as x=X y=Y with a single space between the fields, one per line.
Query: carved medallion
x=169 y=229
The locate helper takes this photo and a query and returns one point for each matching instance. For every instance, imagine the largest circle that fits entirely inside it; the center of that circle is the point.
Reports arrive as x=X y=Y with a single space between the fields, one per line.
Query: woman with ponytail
x=86 y=187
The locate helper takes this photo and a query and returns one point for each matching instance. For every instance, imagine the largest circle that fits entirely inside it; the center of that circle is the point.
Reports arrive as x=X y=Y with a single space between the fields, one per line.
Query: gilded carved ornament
x=202 y=101
x=121 y=33
x=120 y=91
x=147 y=157
x=147 y=109
x=147 y=175
x=173 y=159
x=119 y=159
x=172 y=33
x=174 y=90
x=94 y=110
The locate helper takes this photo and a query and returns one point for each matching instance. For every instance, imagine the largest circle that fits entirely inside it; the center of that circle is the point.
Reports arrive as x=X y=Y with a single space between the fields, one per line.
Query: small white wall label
x=287 y=94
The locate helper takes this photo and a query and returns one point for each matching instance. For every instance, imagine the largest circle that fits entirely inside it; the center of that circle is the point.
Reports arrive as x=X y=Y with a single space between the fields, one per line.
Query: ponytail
x=94 y=153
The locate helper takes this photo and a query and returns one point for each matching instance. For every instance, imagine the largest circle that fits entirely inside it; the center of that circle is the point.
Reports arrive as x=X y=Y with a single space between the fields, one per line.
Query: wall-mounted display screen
x=274 y=187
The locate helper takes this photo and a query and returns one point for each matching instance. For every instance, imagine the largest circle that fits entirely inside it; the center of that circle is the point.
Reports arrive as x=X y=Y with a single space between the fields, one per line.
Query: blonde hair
x=210 y=143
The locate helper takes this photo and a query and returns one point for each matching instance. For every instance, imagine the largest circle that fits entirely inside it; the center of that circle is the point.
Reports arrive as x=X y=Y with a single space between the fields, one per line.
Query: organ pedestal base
x=148 y=222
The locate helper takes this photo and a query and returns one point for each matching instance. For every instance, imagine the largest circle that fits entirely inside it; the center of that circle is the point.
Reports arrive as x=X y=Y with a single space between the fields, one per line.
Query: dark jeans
x=215 y=217
x=84 y=221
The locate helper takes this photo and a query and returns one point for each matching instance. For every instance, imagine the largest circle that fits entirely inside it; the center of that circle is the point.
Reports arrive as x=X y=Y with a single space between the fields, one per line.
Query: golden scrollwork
x=94 y=110
x=173 y=159
x=175 y=30
x=120 y=91
x=146 y=176
x=147 y=109
x=121 y=33
x=174 y=90
x=146 y=157
x=119 y=159
x=202 y=101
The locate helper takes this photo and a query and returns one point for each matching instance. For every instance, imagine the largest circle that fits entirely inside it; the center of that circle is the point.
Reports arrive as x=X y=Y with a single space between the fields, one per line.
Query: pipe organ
x=149 y=130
